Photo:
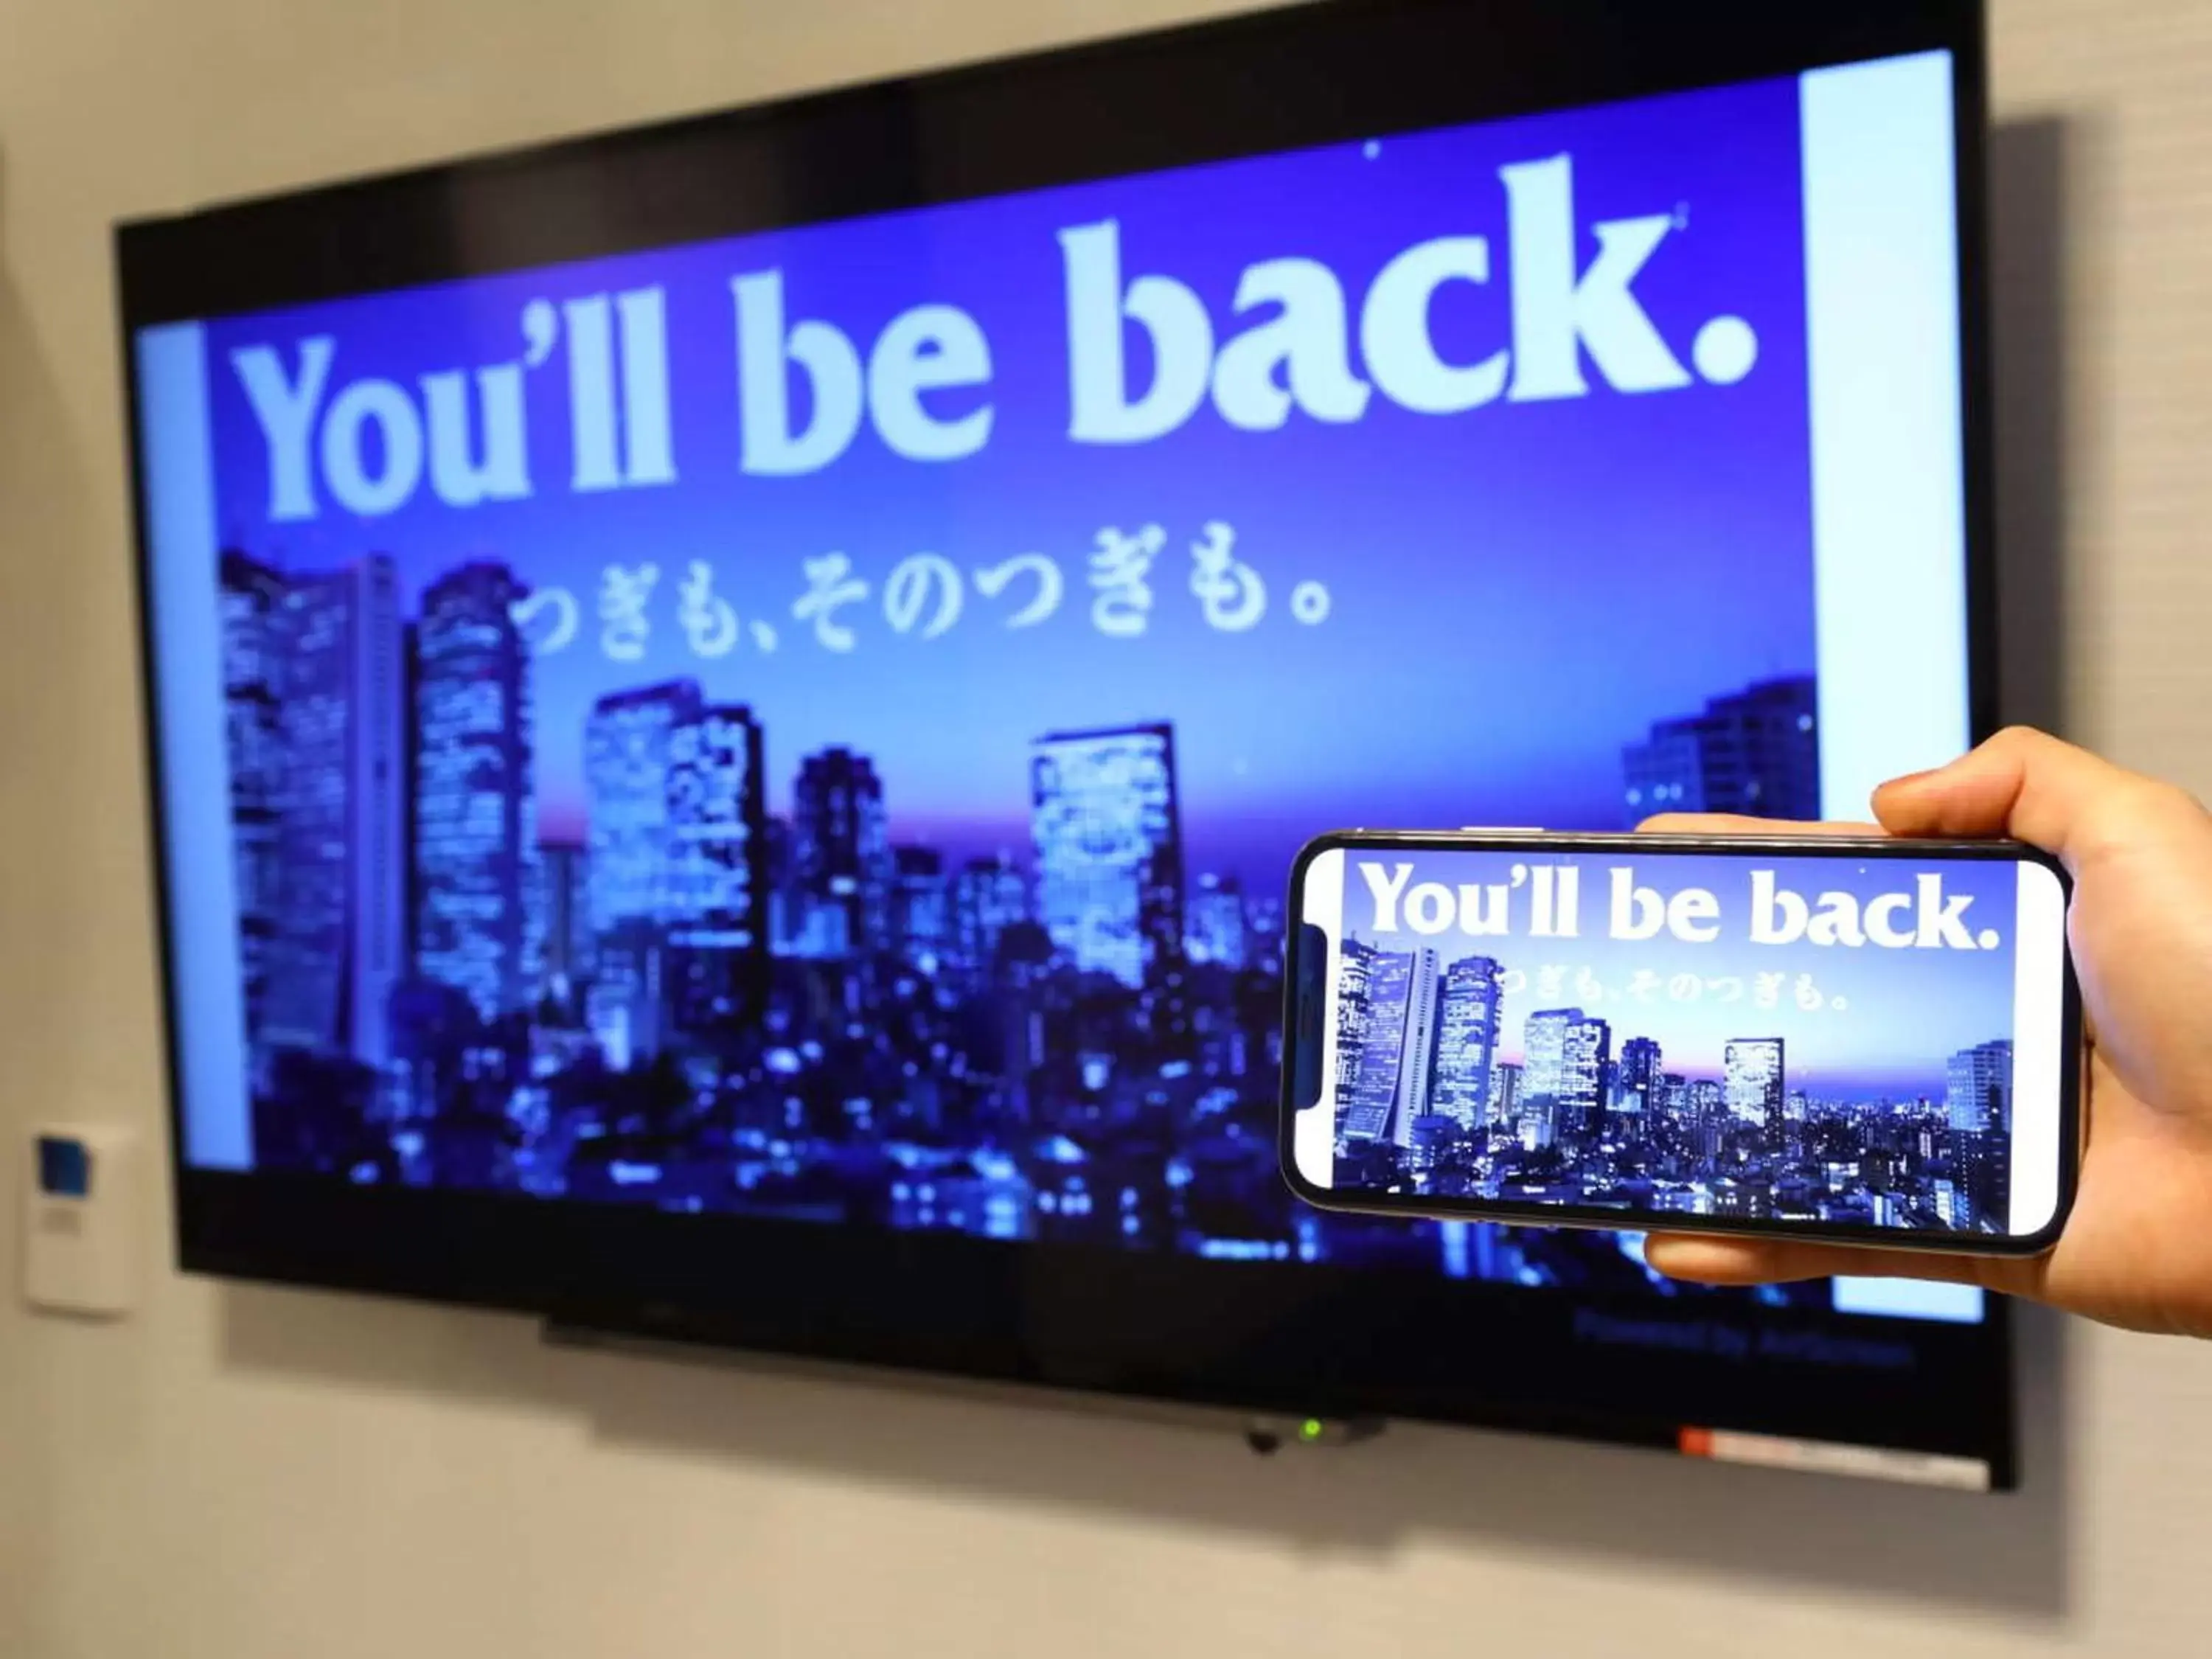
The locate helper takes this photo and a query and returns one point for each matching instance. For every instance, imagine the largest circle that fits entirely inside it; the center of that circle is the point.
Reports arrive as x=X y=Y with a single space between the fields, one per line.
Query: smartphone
x=1859 y=1041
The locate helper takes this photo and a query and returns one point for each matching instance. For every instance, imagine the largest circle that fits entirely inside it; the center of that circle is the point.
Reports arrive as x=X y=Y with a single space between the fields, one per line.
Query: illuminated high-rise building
x=475 y=820
x=563 y=874
x=339 y=944
x=627 y=744
x=988 y=896
x=1640 y=1081
x=1983 y=1158
x=841 y=846
x=1584 y=1064
x=1355 y=969
x=1427 y=1141
x=1538 y=1126
x=1977 y=1095
x=1752 y=1069
x=1110 y=850
x=1417 y=1066
x=1506 y=1088
x=1373 y=1064
x=1757 y=751
x=253 y=614
x=1564 y=1056
x=921 y=903
x=678 y=863
x=1466 y=1040
x=1543 y=1039
x=1709 y=1111
x=715 y=902
x=1218 y=927
x=626 y=761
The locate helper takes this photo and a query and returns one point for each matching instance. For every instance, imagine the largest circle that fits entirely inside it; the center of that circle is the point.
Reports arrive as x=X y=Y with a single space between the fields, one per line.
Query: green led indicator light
x=1311 y=1429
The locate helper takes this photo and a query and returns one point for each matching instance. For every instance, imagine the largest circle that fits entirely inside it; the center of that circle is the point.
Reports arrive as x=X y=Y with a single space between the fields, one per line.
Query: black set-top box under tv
x=731 y=703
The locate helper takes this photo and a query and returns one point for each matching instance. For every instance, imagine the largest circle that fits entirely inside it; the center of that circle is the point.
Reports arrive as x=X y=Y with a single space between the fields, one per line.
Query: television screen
x=732 y=704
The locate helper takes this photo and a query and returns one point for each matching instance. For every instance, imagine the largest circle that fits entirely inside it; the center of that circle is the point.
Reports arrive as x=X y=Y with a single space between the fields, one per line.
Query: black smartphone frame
x=1302 y=1005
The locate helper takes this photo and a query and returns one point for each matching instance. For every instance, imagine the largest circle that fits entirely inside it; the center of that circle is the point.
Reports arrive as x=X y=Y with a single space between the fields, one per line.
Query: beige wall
x=247 y=1475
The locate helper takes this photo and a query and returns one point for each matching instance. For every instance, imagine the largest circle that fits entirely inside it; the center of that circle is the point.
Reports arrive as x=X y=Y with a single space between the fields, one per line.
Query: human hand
x=2138 y=1249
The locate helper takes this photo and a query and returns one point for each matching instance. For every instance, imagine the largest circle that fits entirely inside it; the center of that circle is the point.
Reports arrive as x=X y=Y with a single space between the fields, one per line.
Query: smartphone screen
x=1846 y=1039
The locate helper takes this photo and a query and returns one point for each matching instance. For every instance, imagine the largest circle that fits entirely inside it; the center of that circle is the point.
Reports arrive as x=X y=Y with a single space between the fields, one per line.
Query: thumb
x=2022 y=783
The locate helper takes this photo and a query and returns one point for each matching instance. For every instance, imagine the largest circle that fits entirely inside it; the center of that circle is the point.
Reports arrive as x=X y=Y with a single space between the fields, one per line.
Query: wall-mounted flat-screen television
x=730 y=703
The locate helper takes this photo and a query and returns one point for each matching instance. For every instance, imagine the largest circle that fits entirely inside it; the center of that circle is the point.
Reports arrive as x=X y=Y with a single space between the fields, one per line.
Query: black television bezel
x=1263 y=1337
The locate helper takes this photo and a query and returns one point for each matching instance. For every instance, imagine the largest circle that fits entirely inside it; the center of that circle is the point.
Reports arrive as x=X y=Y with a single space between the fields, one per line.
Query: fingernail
x=1912 y=777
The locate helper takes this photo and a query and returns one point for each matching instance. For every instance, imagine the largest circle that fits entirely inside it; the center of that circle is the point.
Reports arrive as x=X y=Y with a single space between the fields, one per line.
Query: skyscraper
x=1379 y=1057
x=678 y=863
x=1708 y=1100
x=921 y=910
x=627 y=740
x=1355 y=970
x=252 y=658
x=1752 y=1068
x=563 y=875
x=1641 y=1077
x=1977 y=1095
x=476 y=814
x=1709 y=1111
x=988 y=896
x=1978 y=1104
x=338 y=947
x=1543 y=1042
x=1110 y=850
x=1219 y=932
x=1984 y=1164
x=1427 y=1140
x=1757 y=751
x=1564 y=1056
x=1584 y=1060
x=715 y=900
x=1467 y=1040
x=841 y=845
x=1505 y=1092
x=1417 y=1065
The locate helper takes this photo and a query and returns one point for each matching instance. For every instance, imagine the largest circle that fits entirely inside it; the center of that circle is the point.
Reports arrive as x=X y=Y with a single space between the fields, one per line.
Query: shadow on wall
x=2034 y=171
x=1496 y=1493
x=1503 y=1495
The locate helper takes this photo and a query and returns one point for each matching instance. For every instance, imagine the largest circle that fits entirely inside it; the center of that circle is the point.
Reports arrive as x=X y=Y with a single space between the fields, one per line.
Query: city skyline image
x=702 y=1002
x=1831 y=1042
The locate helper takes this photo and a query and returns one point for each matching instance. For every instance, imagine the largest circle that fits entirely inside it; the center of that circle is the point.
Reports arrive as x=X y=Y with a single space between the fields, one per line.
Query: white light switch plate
x=83 y=1219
